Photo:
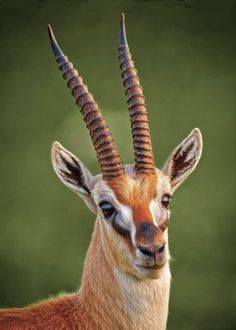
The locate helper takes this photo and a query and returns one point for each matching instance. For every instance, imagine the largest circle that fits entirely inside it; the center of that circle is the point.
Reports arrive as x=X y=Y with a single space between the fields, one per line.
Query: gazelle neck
x=120 y=300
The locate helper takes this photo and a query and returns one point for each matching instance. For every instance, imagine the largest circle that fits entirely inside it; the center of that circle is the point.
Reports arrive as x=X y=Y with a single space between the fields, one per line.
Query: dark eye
x=107 y=209
x=166 y=200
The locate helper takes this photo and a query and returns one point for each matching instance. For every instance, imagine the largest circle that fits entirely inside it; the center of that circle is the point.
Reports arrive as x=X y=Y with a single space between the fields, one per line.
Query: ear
x=184 y=159
x=72 y=172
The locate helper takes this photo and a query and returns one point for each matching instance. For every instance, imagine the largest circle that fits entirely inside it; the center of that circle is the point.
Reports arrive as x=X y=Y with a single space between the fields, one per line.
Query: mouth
x=154 y=267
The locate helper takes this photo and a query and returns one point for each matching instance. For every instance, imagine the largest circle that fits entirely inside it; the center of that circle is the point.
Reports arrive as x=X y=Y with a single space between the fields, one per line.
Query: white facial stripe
x=158 y=212
x=125 y=220
x=153 y=206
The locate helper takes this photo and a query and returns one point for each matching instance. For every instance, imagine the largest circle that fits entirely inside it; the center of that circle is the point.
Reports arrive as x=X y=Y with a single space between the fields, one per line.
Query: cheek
x=119 y=233
x=122 y=250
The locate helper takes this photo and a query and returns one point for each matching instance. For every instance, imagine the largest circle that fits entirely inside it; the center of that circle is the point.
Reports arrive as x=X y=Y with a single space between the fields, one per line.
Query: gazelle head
x=131 y=201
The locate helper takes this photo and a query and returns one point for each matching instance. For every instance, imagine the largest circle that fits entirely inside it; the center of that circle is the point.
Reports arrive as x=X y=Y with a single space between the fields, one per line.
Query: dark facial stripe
x=120 y=230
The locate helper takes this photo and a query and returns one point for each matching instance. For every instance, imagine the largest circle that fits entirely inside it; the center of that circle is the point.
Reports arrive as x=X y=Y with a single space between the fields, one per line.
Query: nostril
x=152 y=252
x=161 y=249
x=145 y=251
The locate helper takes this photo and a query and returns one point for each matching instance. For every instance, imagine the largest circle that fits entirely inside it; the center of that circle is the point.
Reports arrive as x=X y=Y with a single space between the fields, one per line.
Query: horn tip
x=123 y=39
x=56 y=49
x=50 y=32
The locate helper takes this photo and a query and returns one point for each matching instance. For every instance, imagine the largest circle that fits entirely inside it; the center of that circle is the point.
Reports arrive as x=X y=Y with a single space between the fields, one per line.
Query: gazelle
x=126 y=280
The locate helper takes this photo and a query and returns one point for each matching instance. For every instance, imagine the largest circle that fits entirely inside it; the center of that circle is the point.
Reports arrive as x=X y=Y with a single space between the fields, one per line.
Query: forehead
x=135 y=190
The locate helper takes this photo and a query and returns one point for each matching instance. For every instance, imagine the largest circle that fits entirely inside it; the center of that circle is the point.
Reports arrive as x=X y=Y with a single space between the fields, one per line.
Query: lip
x=154 y=267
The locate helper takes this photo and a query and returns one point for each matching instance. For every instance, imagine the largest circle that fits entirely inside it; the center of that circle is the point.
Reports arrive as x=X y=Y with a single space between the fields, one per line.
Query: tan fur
x=108 y=299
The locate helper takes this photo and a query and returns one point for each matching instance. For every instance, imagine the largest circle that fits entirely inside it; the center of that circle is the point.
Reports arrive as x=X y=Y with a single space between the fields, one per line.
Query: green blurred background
x=185 y=53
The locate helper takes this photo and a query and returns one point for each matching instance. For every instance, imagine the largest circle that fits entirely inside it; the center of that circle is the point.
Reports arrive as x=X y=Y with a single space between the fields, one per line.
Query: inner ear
x=184 y=158
x=71 y=170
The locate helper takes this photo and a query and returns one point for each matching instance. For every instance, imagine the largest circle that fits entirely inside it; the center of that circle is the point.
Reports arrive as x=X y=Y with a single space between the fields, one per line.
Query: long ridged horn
x=108 y=156
x=144 y=160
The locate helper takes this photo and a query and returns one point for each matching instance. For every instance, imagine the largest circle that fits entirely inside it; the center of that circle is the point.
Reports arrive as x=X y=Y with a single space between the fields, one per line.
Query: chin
x=149 y=272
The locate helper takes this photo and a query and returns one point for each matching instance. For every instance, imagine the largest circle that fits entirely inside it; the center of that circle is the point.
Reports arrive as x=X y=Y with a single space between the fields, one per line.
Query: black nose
x=152 y=251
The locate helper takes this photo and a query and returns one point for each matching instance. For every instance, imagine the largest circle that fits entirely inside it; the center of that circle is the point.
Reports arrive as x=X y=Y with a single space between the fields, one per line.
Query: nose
x=152 y=251
x=150 y=241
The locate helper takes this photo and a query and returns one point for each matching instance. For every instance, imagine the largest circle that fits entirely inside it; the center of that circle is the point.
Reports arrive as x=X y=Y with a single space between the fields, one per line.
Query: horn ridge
x=137 y=107
x=98 y=129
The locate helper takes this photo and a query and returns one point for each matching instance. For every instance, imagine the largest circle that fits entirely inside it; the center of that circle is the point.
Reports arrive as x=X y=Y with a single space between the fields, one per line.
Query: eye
x=107 y=209
x=166 y=200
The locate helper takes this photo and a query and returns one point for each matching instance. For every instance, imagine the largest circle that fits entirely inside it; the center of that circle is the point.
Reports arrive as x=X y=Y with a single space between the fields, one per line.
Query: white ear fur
x=72 y=172
x=184 y=158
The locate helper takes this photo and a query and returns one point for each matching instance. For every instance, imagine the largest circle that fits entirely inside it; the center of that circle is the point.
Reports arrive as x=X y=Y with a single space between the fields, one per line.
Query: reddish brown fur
x=137 y=193
x=57 y=313
x=98 y=305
